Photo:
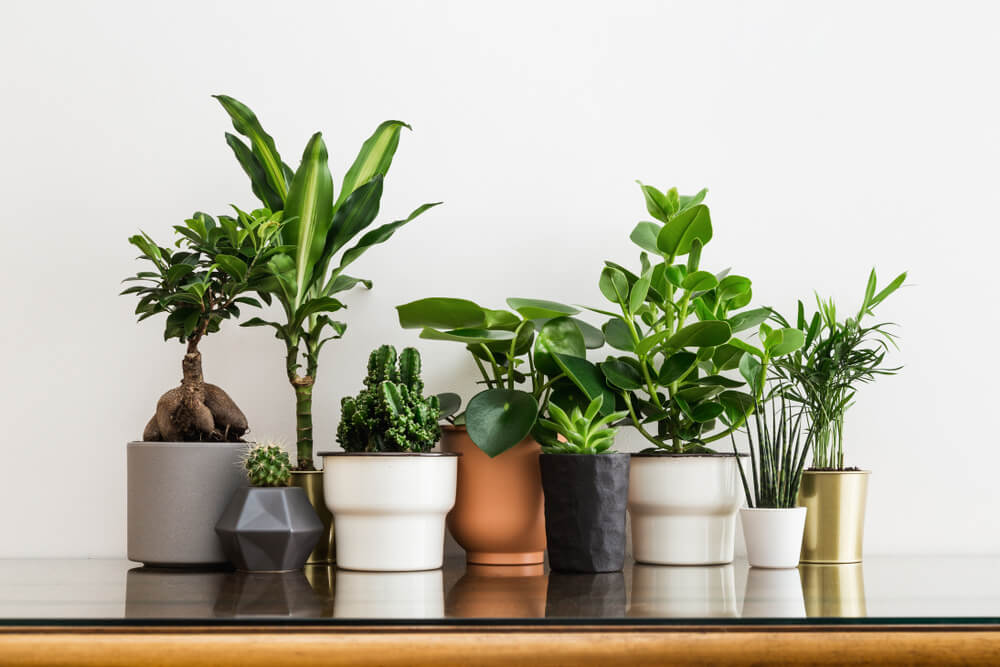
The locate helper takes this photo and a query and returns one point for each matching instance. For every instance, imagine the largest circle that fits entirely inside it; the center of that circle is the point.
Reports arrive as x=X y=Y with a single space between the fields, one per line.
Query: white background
x=834 y=137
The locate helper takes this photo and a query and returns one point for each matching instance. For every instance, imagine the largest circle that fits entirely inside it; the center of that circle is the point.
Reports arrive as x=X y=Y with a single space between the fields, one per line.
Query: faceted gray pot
x=176 y=493
x=269 y=529
x=586 y=496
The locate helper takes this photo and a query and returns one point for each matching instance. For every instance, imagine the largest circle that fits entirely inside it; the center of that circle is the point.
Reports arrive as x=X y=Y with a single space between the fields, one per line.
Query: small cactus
x=390 y=414
x=268 y=465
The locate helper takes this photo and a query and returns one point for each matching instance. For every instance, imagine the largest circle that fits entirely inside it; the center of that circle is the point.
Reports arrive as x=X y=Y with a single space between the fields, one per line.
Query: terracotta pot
x=499 y=508
x=497 y=591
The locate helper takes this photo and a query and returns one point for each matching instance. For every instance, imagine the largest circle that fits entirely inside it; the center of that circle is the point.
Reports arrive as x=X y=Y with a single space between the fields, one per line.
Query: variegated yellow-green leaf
x=246 y=123
x=308 y=213
x=374 y=158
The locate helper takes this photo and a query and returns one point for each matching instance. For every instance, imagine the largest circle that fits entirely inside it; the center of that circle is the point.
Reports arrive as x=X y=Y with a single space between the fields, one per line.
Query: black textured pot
x=269 y=529
x=585 y=500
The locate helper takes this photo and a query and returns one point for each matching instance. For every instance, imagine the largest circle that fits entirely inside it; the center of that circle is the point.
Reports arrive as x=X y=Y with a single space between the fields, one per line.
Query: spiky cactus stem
x=268 y=465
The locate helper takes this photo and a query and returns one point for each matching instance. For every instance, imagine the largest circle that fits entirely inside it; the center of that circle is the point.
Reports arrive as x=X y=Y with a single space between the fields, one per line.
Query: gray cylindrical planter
x=176 y=493
x=269 y=529
x=586 y=496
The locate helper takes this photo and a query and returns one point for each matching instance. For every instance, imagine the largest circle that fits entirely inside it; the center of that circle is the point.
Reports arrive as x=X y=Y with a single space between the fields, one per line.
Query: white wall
x=834 y=136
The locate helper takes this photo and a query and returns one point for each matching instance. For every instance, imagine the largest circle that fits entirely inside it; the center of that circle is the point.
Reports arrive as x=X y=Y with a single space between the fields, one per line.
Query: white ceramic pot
x=683 y=508
x=368 y=595
x=773 y=593
x=683 y=592
x=773 y=536
x=389 y=508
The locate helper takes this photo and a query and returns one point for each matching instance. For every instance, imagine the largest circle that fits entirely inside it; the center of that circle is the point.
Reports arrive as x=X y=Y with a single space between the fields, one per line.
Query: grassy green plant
x=268 y=465
x=587 y=432
x=318 y=225
x=391 y=413
x=834 y=360
x=199 y=283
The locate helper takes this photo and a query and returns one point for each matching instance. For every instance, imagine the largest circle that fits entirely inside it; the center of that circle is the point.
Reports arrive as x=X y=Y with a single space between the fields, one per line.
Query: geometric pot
x=176 y=493
x=683 y=508
x=269 y=529
x=773 y=536
x=267 y=595
x=499 y=516
x=311 y=481
x=389 y=508
x=586 y=497
x=835 y=522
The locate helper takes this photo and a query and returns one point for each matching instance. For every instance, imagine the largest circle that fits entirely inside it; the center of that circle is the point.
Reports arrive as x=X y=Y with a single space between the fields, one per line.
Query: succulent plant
x=268 y=465
x=390 y=414
x=587 y=432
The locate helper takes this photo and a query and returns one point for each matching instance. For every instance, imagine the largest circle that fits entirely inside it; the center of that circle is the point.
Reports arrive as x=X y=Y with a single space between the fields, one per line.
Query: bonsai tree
x=391 y=413
x=583 y=432
x=526 y=357
x=268 y=465
x=318 y=224
x=835 y=358
x=198 y=284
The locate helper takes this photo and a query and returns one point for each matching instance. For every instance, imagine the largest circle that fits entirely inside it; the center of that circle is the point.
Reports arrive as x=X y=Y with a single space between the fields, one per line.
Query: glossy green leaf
x=498 y=419
x=700 y=334
x=647 y=344
x=234 y=266
x=441 y=313
x=644 y=235
x=719 y=381
x=353 y=216
x=258 y=177
x=449 y=404
x=749 y=319
x=746 y=347
x=559 y=335
x=637 y=294
x=699 y=281
x=784 y=341
x=373 y=159
x=732 y=286
x=727 y=357
x=614 y=285
x=675 y=366
x=621 y=374
x=618 y=336
x=588 y=379
x=706 y=412
x=308 y=213
x=686 y=202
x=738 y=404
x=592 y=337
x=467 y=335
x=750 y=369
x=379 y=235
x=657 y=203
x=246 y=123
x=676 y=236
x=531 y=309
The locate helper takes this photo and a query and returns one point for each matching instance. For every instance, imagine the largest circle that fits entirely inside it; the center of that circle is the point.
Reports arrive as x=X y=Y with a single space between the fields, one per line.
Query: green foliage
x=319 y=224
x=585 y=432
x=522 y=355
x=391 y=413
x=200 y=282
x=268 y=465
x=835 y=357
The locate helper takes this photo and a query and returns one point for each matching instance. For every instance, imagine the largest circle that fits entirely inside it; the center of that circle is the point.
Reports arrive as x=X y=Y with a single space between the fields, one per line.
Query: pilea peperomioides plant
x=198 y=284
x=318 y=225
x=391 y=413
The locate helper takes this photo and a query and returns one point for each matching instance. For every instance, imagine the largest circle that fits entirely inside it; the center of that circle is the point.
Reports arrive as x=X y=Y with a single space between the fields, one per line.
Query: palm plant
x=317 y=226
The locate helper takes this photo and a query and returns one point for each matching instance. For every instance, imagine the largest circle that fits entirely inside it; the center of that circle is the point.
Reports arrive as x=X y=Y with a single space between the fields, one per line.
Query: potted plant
x=586 y=491
x=185 y=470
x=673 y=323
x=268 y=526
x=824 y=375
x=388 y=492
x=499 y=517
x=309 y=271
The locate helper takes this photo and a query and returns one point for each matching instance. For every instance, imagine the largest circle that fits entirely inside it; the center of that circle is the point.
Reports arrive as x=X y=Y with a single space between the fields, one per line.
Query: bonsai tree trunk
x=195 y=411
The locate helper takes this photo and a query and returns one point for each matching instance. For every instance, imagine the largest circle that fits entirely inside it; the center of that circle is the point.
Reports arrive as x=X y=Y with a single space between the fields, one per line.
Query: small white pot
x=773 y=536
x=683 y=508
x=389 y=508
x=773 y=593
x=683 y=592
x=389 y=594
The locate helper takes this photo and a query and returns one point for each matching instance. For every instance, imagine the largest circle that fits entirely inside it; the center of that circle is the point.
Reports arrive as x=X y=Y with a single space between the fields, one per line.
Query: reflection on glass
x=388 y=594
x=322 y=578
x=834 y=591
x=586 y=595
x=499 y=591
x=773 y=594
x=168 y=593
x=683 y=591
x=282 y=594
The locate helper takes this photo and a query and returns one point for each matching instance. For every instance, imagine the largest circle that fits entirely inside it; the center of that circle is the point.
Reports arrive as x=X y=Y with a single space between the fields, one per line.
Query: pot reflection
x=773 y=593
x=389 y=594
x=322 y=578
x=683 y=591
x=597 y=596
x=499 y=591
x=834 y=591
x=282 y=594
x=168 y=593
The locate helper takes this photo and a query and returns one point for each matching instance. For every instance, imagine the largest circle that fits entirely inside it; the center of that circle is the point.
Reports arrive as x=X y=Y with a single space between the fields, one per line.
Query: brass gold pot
x=835 y=515
x=834 y=591
x=311 y=481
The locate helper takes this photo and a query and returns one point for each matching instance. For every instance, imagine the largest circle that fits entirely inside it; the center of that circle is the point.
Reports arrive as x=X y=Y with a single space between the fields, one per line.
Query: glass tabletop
x=880 y=591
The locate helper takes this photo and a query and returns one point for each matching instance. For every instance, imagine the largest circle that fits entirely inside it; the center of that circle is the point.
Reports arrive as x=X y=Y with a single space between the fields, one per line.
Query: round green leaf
x=701 y=334
x=732 y=286
x=644 y=235
x=498 y=419
x=621 y=374
x=449 y=404
x=441 y=313
x=705 y=412
x=676 y=236
x=699 y=281
x=531 y=309
x=559 y=335
x=617 y=334
x=675 y=366
x=592 y=336
x=613 y=285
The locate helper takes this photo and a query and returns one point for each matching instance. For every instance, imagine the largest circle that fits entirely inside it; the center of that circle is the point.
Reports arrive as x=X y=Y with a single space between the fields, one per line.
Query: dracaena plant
x=526 y=357
x=199 y=283
x=583 y=432
x=834 y=360
x=674 y=324
x=318 y=225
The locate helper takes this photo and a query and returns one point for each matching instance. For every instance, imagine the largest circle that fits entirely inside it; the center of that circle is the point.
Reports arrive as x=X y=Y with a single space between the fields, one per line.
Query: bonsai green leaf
x=498 y=419
x=560 y=335
x=531 y=309
x=621 y=374
x=441 y=313
x=644 y=235
x=592 y=336
x=699 y=281
x=687 y=201
x=731 y=287
x=467 y=335
x=657 y=203
x=784 y=341
x=258 y=178
x=587 y=378
x=701 y=334
x=706 y=412
x=675 y=366
x=449 y=404
x=676 y=236
x=175 y=273
x=246 y=123
x=617 y=333
x=373 y=159
x=308 y=213
x=234 y=266
x=749 y=319
x=379 y=235
x=614 y=285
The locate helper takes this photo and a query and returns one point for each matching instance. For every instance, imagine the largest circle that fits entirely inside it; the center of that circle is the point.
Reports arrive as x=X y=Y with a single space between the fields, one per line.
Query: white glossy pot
x=683 y=592
x=773 y=593
x=773 y=536
x=388 y=594
x=389 y=509
x=683 y=508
